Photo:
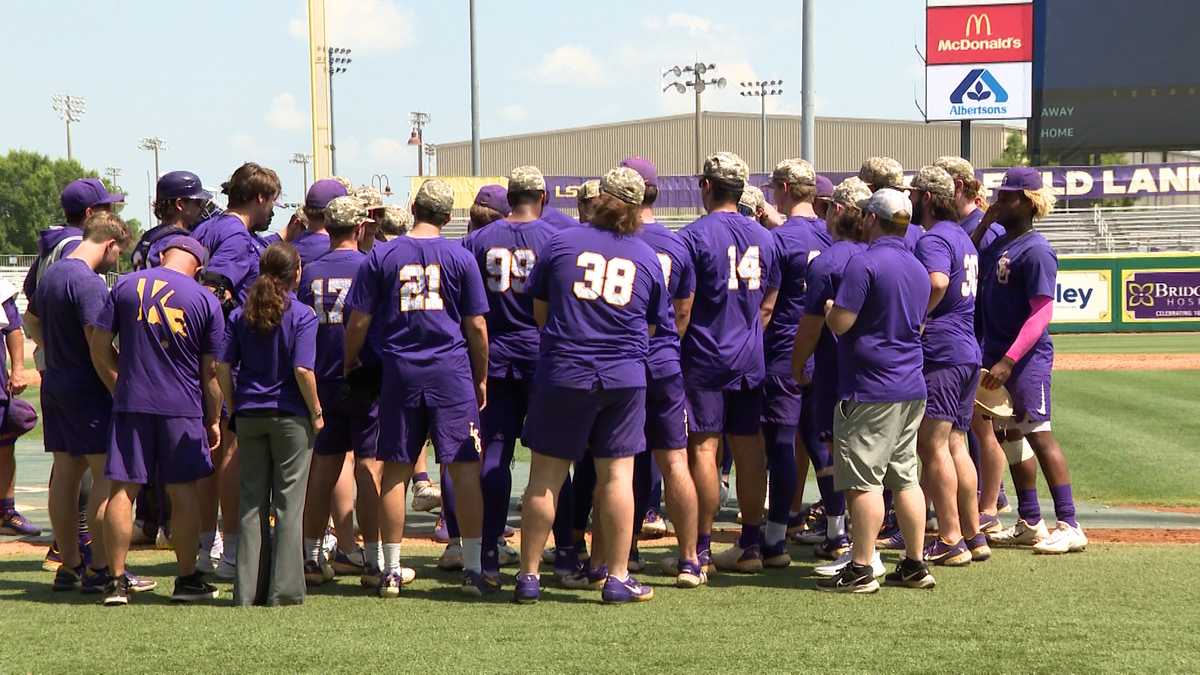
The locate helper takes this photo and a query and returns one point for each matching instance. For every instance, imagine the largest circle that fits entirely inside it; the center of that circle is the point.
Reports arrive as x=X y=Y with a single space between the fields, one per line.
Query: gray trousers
x=274 y=454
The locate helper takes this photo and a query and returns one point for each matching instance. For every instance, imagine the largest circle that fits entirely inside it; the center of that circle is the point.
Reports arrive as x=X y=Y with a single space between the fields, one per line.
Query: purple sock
x=834 y=501
x=1028 y=507
x=703 y=542
x=749 y=536
x=420 y=477
x=8 y=505
x=1064 y=504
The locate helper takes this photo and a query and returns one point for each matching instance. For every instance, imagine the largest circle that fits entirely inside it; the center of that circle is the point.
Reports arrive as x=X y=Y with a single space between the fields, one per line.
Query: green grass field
x=1128 y=343
x=1116 y=607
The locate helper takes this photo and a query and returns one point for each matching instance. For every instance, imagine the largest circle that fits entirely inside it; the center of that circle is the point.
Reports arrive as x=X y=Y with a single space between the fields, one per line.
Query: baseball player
x=313 y=242
x=180 y=202
x=885 y=172
x=491 y=204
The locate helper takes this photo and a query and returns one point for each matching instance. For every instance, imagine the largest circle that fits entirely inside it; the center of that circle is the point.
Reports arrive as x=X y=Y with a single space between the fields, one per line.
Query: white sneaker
x=162 y=542
x=426 y=496
x=1021 y=534
x=452 y=558
x=407 y=574
x=832 y=569
x=507 y=555
x=226 y=570
x=723 y=493
x=1064 y=539
x=328 y=544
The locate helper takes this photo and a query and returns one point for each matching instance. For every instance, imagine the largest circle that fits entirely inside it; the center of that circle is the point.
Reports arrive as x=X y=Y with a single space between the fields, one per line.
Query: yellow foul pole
x=318 y=69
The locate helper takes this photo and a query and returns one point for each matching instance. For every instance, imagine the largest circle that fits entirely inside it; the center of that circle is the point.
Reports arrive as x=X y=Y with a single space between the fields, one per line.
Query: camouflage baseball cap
x=395 y=220
x=881 y=172
x=752 y=198
x=794 y=172
x=348 y=211
x=435 y=195
x=852 y=192
x=589 y=190
x=728 y=167
x=624 y=184
x=934 y=180
x=344 y=181
x=526 y=179
x=370 y=197
x=957 y=167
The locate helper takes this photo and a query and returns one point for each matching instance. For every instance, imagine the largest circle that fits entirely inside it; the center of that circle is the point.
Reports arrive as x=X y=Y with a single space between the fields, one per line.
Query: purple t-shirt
x=13 y=315
x=994 y=231
x=821 y=283
x=69 y=296
x=1011 y=273
x=418 y=291
x=604 y=290
x=233 y=252
x=558 y=219
x=324 y=286
x=912 y=235
x=505 y=253
x=949 y=336
x=165 y=322
x=796 y=245
x=736 y=265
x=266 y=362
x=680 y=279
x=879 y=358
x=54 y=244
x=310 y=245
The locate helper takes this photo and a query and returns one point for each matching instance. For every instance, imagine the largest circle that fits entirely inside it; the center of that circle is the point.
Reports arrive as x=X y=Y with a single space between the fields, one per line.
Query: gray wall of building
x=842 y=144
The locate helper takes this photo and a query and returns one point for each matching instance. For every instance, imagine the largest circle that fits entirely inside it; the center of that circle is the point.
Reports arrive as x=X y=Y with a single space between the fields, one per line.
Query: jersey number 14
x=747 y=270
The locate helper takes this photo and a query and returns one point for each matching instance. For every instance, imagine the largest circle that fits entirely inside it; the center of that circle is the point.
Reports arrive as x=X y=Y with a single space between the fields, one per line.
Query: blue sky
x=226 y=81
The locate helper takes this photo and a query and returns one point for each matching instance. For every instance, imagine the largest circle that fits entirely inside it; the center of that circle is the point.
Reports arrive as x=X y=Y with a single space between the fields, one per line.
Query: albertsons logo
x=979 y=94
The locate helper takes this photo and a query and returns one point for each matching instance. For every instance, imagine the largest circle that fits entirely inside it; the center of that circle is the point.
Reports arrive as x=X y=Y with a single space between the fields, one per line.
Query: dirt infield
x=1127 y=361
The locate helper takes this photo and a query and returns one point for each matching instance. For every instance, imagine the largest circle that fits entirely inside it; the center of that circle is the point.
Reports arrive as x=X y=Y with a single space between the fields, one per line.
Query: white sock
x=207 y=539
x=391 y=557
x=472 y=554
x=836 y=526
x=312 y=550
x=229 y=555
x=373 y=554
x=775 y=532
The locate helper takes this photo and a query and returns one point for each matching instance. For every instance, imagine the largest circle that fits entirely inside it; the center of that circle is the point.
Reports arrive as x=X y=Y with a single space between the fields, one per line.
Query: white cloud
x=570 y=64
x=388 y=149
x=366 y=25
x=245 y=146
x=514 y=112
x=694 y=25
x=284 y=115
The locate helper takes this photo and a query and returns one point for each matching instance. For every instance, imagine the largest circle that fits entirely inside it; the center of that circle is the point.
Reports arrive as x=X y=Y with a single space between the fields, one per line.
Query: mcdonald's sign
x=987 y=33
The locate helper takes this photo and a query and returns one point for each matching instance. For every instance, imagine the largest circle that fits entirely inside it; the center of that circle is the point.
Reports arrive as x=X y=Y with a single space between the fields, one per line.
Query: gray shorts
x=875 y=445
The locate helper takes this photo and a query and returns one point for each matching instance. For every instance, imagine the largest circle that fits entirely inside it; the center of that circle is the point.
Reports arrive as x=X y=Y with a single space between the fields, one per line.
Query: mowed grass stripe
x=1128 y=343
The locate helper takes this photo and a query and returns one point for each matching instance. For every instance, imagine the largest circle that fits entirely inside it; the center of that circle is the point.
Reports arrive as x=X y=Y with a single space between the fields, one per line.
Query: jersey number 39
x=605 y=278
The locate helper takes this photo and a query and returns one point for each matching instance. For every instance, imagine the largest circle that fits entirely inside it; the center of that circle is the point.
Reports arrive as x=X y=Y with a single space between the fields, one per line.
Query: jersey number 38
x=611 y=279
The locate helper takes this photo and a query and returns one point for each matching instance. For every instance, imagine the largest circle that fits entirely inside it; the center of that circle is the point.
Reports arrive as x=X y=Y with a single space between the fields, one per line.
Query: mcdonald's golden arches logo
x=980 y=22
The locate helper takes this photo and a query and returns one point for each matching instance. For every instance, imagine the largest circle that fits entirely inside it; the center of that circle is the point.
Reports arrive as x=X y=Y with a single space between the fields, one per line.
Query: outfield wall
x=1133 y=292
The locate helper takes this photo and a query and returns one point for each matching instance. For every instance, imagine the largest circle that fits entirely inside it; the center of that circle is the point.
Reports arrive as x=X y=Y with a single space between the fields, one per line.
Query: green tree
x=1015 y=153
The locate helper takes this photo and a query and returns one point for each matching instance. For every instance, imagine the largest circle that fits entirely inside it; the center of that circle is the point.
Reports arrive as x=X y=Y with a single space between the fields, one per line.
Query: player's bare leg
x=393 y=483
x=97 y=504
x=750 y=460
x=680 y=494
x=341 y=506
x=866 y=517
x=468 y=511
x=321 y=480
x=367 y=473
x=64 y=506
x=703 y=463
x=910 y=512
x=185 y=524
x=938 y=477
x=614 y=511
x=546 y=475
x=118 y=525
x=991 y=464
x=968 y=482
x=228 y=487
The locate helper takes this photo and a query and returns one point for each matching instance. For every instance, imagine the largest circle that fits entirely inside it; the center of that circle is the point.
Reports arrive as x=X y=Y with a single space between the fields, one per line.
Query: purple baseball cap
x=81 y=195
x=322 y=192
x=185 y=243
x=181 y=185
x=494 y=197
x=824 y=187
x=644 y=167
x=20 y=420
x=1021 y=178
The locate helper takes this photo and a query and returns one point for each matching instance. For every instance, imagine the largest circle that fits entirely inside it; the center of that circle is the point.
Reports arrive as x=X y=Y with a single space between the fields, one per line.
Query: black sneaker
x=116 y=594
x=910 y=573
x=67 y=579
x=852 y=579
x=192 y=588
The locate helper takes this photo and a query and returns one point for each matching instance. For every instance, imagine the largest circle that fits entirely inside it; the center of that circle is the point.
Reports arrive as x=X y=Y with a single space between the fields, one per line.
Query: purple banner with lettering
x=1161 y=295
x=1073 y=182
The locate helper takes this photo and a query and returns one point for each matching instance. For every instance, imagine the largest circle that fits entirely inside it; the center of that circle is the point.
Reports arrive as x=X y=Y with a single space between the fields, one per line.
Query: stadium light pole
x=808 y=104
x=381 y=182
x=70 y=109
x=418 y=121
x=153 y=144
x=113 y=174
x=302 y=159
x=698 y=84
x=338 y=61
x=476 y=159
x=431 y=156
x=760 y=90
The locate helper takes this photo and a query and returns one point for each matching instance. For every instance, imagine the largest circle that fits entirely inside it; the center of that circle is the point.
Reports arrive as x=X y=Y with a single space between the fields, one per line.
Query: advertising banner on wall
x=979 y=91
x=978 y=34
x=1083 y=296
x=1160 y=295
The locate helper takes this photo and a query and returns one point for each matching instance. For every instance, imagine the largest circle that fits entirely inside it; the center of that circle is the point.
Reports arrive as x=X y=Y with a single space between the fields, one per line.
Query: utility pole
x=808 y=103
x=759 y=89
x=337 y=62
x=418 y=121
x=698 y=85
x=70 y=109
x=113 y=174
x=153 y=144
x=302 y=159
x=476 y=159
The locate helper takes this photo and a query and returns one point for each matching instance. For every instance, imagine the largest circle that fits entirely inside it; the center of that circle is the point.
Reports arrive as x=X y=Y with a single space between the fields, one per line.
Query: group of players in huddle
x=273 y=375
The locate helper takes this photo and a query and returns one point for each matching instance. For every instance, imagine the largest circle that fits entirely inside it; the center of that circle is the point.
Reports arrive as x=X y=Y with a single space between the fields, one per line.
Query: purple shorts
x=951 y=395
x=571 y=423
x=454 y=430
x=348 y=427
x=782 y=400
x=737 y=412
x=666 y=413
x=77 y=426
x=1029 y=386
x=147 y=448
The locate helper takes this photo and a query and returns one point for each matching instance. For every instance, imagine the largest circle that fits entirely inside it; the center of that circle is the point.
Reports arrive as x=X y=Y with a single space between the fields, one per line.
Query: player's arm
x=356 y=336
x=104 y=355
x=541 y=312
x=225 y=380
x=683 y=313
x=475 y=330
x=33 y=326
x=808 y=333
x=307 y=381
x=938 y=283
x=767 y=307
x=210 y=388
x=840 y=320
x=19 y=377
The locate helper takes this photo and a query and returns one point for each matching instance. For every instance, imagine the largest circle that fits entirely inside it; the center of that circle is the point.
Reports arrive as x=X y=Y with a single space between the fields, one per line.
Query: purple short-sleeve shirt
x=680 y=279
x=325 y=286
x=1012 y=272
x=266 y=362
x=70 y=296
x=233 y=252
x=949 y=336
x=796 y=245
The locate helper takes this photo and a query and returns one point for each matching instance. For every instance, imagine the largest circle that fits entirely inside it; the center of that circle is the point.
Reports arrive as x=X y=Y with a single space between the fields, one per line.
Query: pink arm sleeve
x=1041 y=309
